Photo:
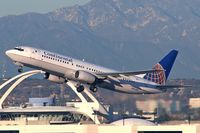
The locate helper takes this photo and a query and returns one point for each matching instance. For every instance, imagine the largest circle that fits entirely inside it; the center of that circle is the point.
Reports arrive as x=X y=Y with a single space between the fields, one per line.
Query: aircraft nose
x=9 y=53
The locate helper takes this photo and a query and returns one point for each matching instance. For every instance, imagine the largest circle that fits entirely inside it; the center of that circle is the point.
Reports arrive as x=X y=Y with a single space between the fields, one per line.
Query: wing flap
x=172 y=86
x=118 y=74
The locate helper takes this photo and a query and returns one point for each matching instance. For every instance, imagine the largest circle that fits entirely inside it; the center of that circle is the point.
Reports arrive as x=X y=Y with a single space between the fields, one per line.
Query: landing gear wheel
x=80 y=88
x=20 y=70
x=93 y=88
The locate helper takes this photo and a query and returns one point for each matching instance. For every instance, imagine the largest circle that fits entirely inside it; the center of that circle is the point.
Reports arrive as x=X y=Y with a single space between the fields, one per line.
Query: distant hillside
x=124 y=35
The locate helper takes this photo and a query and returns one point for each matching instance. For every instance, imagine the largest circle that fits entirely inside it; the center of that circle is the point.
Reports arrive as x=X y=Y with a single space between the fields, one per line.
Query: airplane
x=61 y=69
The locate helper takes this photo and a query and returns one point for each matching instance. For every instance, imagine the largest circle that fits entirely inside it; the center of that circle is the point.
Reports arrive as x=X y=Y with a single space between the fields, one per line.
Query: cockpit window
x=19 y=49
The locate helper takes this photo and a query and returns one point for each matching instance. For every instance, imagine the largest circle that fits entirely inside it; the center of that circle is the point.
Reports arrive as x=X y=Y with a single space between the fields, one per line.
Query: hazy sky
x=8 y=7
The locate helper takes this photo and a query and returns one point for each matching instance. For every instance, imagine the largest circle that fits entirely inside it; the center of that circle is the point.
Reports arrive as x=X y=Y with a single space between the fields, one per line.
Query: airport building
x=38 y=116
x=98 y=129
x=194 y=102
x=52 y=119
x=152 y=105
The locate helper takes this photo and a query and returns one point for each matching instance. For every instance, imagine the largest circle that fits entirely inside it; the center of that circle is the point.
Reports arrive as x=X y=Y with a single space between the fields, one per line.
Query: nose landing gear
x=20 y=69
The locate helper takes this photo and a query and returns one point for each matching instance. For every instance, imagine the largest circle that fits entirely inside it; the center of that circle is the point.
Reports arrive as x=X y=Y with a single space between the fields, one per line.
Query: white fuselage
x=62 y=66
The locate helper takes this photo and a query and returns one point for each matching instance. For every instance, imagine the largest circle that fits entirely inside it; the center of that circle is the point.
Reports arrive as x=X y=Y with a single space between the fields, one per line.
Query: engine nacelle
x=54 y=78
x=85 y=77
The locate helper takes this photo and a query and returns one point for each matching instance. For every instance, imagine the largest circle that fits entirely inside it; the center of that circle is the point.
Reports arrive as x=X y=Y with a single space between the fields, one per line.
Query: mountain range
x=120 y=34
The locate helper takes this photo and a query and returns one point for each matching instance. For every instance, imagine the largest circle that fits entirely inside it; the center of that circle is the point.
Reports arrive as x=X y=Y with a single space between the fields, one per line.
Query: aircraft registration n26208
x=61 y=69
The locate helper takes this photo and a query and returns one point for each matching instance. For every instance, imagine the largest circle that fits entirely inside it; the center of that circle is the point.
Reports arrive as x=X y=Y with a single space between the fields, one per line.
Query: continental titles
x=58 y=56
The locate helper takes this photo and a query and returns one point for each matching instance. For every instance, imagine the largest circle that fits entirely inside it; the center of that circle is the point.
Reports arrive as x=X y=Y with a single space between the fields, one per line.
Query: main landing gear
x=81 y=88
x=93 y=88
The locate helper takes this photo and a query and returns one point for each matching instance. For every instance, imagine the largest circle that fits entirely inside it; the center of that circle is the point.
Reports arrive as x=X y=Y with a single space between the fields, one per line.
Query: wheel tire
x=20 y=70
x=93 y=88
x=80 y=88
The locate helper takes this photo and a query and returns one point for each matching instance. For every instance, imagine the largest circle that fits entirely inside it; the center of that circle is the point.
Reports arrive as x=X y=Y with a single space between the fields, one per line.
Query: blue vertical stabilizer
x=168 y=61
x=166 y=65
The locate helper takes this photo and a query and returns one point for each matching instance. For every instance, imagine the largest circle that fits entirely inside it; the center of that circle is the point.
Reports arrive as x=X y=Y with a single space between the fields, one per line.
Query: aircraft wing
x=118 y=74
x=172 y=86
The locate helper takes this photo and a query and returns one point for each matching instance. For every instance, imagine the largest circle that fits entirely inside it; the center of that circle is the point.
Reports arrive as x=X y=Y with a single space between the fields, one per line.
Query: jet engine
x=85 y=77
x=54 y=78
